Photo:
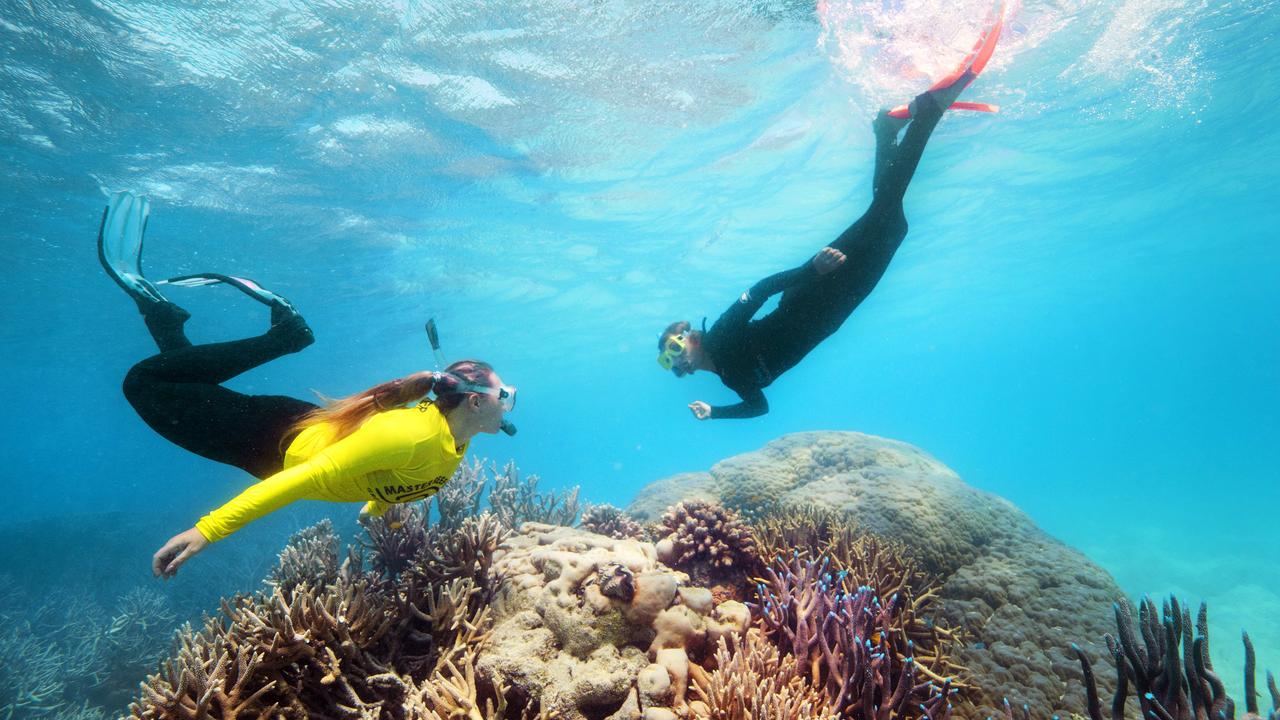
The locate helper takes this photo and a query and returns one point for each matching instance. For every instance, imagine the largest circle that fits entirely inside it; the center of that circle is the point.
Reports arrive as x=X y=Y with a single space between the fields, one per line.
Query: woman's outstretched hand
x=701 y=410
x=827 y=259
x=168 y=559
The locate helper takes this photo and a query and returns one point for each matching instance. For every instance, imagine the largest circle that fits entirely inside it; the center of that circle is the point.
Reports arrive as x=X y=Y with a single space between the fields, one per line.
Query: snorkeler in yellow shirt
x=388 y=444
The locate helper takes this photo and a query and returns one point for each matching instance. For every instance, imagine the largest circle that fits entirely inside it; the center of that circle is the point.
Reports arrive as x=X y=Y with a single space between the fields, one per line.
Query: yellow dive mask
x=671 y=351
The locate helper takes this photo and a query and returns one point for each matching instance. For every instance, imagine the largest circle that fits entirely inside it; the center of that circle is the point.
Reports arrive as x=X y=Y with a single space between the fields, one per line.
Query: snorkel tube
x=433 y=337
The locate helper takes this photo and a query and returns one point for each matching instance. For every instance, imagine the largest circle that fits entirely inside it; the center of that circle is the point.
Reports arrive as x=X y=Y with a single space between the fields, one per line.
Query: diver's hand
x=178 y=550
x=701 y=410
x=827 y=259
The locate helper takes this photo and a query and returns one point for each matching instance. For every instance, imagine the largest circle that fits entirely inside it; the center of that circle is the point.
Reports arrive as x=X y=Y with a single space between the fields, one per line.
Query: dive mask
x=671 y=351
x=505 y=393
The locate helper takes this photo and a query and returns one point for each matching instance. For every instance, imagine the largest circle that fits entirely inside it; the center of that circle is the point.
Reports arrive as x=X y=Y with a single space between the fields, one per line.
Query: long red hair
x=349 y=413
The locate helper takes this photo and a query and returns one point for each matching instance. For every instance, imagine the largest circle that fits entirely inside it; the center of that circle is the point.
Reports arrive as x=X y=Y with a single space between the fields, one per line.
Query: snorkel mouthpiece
x=507 y=427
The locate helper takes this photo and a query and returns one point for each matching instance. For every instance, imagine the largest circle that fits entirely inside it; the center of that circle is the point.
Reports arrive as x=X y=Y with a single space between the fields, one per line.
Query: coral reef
x=1017 y=594
x=71 y=657
x=1169 y=669
x=752 y=680
x=478 y=619
x=460 y=497
x=887 y=565
x=357 y=647
x=516 y=501
x=607 y=520
x=592 y=626
x=310 y=556
x=403 y=541
x=464 y=552
x=713 y=545
x=852 y=644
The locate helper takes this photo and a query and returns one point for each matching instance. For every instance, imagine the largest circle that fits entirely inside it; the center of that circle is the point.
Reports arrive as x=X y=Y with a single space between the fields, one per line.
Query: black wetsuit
x=750 y=354
x=179 y=393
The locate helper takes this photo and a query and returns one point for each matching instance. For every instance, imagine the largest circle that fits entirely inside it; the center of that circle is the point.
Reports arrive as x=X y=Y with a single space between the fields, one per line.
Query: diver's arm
x=750 y=302
x=753 y=404
x=260 y=499
x=374 y=446
x=267 y=496
x=777 y=282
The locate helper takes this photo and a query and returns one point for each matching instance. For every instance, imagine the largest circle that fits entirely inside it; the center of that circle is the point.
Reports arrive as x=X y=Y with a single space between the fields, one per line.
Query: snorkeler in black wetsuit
x=819 y=296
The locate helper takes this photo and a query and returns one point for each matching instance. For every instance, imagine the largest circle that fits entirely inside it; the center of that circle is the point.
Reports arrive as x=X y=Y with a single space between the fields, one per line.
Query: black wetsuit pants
x=814 y=310
x=179 y=394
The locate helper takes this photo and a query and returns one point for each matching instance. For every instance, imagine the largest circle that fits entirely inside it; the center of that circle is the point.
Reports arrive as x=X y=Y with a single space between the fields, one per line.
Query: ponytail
x=349 y=413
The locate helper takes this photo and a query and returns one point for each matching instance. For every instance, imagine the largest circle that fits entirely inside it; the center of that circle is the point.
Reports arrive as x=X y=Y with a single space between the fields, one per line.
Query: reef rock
x=1021 y=596
x=595 y=627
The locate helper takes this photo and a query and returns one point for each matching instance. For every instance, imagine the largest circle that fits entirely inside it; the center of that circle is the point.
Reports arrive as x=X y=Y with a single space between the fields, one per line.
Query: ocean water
x=1083 y=319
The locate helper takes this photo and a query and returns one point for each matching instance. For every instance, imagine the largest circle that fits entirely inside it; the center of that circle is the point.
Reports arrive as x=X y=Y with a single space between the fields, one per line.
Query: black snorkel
x=433 y=337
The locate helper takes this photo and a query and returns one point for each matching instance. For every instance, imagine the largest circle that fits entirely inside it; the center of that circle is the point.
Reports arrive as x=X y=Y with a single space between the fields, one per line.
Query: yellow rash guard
x=395 y=456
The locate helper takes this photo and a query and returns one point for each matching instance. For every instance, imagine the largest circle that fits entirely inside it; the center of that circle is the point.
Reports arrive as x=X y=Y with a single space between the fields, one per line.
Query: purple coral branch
x=848 y=638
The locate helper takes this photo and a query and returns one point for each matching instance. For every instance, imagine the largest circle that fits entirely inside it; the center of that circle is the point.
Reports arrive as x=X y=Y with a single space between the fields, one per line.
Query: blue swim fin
x=124 y=223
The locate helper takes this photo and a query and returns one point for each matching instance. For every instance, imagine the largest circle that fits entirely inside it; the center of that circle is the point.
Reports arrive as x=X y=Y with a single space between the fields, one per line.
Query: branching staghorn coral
x=67 y=657
x=516 y=501
x=607 y=520
x=32 y=683
x=452 y=690
x=208 y=677
x=460 y=497
x=141 y=613
x=883 y=564
x=431 y=618
x=709 y=542
x=463 y=551
x=789 y=527
x=310 y=556
x=849 y=643
x=1169 y=668
x=753 y=680
x=863 y=559
x=396 y=538
x=299 y=654
x=360 y=646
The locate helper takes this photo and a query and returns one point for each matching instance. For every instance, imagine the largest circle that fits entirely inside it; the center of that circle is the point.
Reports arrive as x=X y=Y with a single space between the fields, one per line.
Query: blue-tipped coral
x=849 y=643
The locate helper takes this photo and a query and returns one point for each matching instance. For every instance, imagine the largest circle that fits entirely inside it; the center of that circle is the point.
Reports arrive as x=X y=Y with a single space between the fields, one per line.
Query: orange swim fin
x=969 y=68
x=977 y=59
x=903 y=112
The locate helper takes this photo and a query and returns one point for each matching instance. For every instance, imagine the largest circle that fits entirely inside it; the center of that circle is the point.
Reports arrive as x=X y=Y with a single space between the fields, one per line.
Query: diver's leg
x=216 y=363
x=179 y=394
x=891 y=185
x=820 y=307
x=244 y=431
x=886 y=129
x=165 y=321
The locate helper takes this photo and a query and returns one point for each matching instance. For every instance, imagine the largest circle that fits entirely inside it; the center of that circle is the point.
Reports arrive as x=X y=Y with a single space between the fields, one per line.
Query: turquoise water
x=1083 y=318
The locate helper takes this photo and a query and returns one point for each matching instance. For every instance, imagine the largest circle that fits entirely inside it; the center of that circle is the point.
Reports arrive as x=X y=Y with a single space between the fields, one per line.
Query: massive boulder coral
x=1020 y=596
x=591 y=626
